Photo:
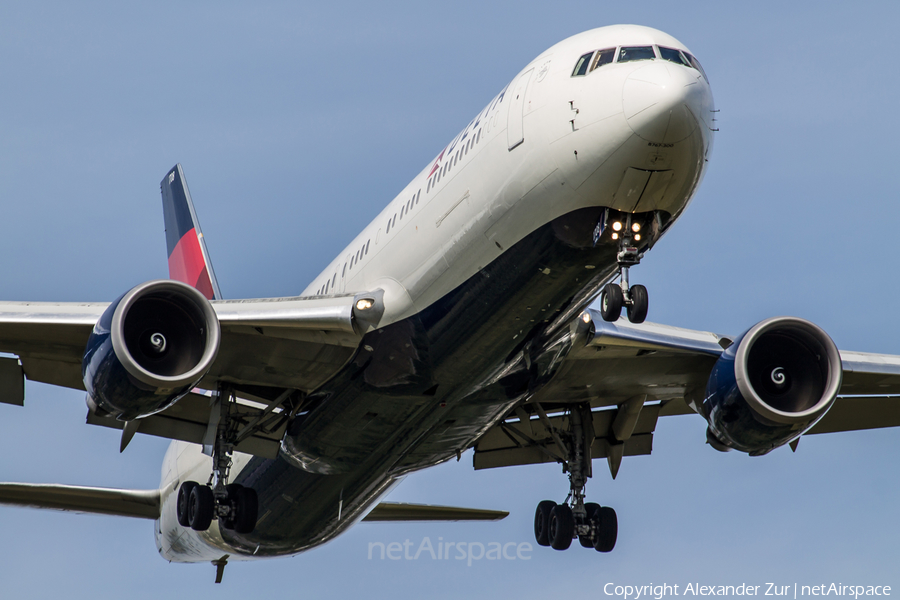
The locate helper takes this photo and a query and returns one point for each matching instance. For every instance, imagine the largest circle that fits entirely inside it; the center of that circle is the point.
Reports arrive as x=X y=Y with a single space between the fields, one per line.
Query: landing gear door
x=515 y=133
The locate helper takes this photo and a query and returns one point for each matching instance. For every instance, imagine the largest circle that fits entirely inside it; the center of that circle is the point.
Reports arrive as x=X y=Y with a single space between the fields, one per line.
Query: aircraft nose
x=663 y=102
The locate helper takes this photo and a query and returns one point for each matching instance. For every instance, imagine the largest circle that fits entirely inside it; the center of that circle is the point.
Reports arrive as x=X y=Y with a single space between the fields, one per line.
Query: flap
x=518 y=442
x=12 y=382
x=188 y=420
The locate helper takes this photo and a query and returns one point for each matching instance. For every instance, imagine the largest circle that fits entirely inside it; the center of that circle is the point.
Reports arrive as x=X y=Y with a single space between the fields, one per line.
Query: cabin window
x=394 y=222
x=632 y=53
x=582 y=65
x=478 y=137
x=388 y=228
x=367 y=246
x=419 y=193
x=604 y=57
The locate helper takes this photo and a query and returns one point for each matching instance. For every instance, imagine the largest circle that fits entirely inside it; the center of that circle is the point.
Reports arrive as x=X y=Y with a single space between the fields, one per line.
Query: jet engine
x=148 y=349
x=771 y=386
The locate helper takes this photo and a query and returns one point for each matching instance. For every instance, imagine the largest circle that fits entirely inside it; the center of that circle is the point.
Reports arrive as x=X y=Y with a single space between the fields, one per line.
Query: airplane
x=460 y=318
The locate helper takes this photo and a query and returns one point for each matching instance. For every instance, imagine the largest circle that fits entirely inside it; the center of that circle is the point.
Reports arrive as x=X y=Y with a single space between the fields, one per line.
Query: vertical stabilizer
x=188 y=258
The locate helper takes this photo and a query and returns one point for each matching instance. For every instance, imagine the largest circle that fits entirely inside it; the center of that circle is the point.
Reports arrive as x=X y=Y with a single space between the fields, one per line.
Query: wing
x=270 y=350
x=630 y=375
x=280 y=342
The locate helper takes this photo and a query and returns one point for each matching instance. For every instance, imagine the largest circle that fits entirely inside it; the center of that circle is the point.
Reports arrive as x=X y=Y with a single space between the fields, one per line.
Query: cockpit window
x=604 y=57
x=673 y=55
x=696 y=64
x=582 y=65
x=629 y=53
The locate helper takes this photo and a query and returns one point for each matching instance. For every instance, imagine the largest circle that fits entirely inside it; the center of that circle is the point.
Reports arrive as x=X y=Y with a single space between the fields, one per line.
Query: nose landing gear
x=614 y=296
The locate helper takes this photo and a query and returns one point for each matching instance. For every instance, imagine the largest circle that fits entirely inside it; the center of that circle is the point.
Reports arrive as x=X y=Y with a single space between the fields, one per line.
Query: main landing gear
x=616 y=295
x=556 y=525
x=235 y=506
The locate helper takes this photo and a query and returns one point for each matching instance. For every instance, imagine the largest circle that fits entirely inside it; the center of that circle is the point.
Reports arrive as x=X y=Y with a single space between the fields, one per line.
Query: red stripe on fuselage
x=186 y=264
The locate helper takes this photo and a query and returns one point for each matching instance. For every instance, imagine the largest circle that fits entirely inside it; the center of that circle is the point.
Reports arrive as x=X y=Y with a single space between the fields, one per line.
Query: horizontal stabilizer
x=401 y=511
x=140 y=504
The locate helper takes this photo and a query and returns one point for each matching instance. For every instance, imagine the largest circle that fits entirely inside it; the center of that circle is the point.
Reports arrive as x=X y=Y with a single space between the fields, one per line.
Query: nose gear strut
x=614 y=296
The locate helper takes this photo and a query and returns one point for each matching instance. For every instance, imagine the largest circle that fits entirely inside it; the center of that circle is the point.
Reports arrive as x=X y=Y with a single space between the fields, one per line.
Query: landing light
x=617 y=226
x=585 y=317
x=637 y=237
x=364 y=304
x=615 y=236
x=635 y=227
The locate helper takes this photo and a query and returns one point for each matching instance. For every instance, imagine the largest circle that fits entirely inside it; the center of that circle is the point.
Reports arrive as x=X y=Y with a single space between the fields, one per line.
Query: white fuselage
x=633 y=136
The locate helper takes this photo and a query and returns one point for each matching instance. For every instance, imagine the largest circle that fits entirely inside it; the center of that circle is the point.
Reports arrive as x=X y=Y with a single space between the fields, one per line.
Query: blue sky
x=297 y=122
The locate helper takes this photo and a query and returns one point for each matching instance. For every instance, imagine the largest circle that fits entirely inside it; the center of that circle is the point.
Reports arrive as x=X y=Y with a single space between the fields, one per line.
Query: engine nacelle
x=149 y=348
x=771 y=386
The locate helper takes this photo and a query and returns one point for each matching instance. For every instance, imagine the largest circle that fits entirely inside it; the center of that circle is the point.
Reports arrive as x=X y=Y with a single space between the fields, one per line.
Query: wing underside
x=630 y=375
x=273 y=352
